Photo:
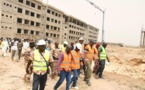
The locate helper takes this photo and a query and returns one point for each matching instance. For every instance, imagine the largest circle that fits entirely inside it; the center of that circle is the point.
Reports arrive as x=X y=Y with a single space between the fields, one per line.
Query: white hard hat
x=5 y=39
x=41 y=42
x=81 y=38
x=79 y=46
x=65 y=42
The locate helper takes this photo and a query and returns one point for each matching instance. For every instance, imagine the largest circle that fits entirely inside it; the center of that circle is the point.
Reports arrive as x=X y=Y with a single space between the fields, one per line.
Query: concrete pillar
x=141 y=39
x=144 y=39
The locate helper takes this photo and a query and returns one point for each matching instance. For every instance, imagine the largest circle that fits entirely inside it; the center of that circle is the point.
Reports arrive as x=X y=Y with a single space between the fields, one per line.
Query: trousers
x=63 y=75
x=39 y=81
x=74 y=79
x=88 y=70
x=101 y=68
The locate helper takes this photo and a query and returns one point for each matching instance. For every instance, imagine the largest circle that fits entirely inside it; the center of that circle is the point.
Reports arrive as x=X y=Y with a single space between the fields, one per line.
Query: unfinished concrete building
x=35 y=20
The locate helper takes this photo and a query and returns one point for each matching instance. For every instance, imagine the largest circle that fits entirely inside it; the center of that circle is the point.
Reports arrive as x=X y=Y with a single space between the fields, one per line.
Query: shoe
x=96 y=76
x=101 y=77
x=89 y=83
x=77 y=88
x=84 y=79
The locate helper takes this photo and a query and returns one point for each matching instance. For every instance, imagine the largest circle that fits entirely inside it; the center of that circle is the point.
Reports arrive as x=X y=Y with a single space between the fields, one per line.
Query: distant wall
x=115 y=44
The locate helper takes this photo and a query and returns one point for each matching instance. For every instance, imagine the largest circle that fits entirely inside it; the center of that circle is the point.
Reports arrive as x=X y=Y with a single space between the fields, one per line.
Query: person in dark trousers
x=27 y=55
x=75 y=65
x=19 y=45
x=64 y=68
x=81 y=41
x=96 y=66
x=102 y=54
x=72 y=45
x=41 y=58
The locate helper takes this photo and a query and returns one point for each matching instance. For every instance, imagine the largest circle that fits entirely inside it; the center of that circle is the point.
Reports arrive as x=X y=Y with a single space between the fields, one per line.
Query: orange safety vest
x=91 y=52
x=66 y=63
x=75 y=59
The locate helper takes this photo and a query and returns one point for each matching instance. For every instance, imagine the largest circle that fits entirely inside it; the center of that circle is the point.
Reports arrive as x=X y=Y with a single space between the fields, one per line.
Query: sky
x=124 y=19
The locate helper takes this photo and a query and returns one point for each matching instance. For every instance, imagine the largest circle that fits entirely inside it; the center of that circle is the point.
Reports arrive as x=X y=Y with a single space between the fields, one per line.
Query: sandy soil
x=125 y=72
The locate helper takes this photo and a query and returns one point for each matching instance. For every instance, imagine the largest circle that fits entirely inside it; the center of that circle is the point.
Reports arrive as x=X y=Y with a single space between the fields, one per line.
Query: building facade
x=35 y=20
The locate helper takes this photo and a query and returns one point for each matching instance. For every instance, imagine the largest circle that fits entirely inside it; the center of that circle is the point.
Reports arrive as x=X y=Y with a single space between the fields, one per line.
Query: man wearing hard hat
x=91 y=54
x=81 y=40
x=102 y=58
x=76 y=55
x=64 y=68
x=63 y=47
x=40 y=58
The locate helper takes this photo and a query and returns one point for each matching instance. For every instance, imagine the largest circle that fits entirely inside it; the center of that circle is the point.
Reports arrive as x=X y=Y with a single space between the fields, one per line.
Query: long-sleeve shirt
x=59 y=62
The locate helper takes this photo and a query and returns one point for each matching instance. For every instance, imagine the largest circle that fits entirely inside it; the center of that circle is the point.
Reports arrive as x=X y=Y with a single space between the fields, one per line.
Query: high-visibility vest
x=66 y=62
x=63 y=48
x=38 y=64
x=103 y=54
x=91 y=52
x=75 y=59
x=3 y=44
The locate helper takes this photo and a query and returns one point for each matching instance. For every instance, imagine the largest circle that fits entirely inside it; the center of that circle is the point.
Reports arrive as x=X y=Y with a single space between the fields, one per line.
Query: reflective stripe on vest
x=66 y=63
x=63 y=48
x=38 y=64
x=3 y=44
x=76 y=60
x=103 y=53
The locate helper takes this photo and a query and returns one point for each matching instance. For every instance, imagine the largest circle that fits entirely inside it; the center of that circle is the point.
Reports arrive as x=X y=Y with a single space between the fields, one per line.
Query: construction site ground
x=125 y=72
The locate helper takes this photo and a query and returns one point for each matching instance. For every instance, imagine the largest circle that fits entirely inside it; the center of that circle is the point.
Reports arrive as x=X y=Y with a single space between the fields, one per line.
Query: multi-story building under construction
x=35 y=20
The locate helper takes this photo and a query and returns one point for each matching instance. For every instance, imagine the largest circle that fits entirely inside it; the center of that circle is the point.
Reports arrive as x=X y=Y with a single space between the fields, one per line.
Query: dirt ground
x=125 y=72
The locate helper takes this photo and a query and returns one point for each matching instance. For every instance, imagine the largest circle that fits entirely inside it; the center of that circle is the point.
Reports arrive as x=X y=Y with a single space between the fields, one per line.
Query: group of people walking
x=14 y=46
x=65 y=61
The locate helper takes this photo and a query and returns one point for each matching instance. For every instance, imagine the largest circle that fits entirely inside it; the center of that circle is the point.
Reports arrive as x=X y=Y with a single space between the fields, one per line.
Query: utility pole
x=103 y=19
x=142 y=37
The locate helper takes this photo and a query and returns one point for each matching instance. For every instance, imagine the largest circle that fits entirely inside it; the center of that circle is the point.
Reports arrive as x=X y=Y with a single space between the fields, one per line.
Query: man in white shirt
x=4 y=46
x=25 y=46
x=14 y=49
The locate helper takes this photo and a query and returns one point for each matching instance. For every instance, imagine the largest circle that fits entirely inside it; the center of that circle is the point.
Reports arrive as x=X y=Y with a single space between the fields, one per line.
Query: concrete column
x=144 y=39
x=141 y=39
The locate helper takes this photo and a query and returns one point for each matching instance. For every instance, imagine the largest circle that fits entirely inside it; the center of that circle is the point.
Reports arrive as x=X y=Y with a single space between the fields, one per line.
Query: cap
x=4 y=38
x=65 y=42
x=97 y=45
x=92 y=41
x=81 y=38
x=41 y=42
x=79 y=46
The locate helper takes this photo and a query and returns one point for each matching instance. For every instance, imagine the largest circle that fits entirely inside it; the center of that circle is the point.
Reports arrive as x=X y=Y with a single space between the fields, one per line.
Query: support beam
x=144 y=39
x=141 y=39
